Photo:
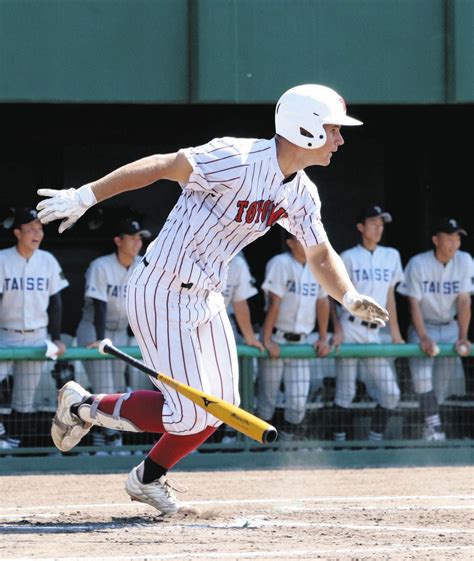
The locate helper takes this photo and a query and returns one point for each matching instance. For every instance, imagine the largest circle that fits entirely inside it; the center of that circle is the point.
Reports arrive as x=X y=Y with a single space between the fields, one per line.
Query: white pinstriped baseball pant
x=184 y=333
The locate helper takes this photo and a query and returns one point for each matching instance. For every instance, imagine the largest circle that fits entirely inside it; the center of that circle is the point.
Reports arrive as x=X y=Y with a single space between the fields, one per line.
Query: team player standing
x=376 y=270
x=438 y=285
x=233 y=191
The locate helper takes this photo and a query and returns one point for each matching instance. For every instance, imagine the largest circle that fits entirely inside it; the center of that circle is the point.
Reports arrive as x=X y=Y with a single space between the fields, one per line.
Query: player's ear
x=16 y=233
x=360 y=227
x=117 y=240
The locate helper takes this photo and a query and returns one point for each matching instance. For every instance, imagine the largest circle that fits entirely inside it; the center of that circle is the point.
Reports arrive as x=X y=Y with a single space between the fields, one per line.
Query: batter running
x=233 y=191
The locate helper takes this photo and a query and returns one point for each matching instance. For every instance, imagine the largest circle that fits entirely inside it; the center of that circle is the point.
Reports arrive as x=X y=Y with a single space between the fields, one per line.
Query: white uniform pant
x=26 y=373
x=184 y=333
x=378 y=374
x=436 y=373
x=296 y=375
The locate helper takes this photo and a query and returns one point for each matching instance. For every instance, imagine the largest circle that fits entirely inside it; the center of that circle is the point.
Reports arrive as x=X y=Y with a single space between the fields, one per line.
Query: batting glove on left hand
x=365 y=308
x=69 y=204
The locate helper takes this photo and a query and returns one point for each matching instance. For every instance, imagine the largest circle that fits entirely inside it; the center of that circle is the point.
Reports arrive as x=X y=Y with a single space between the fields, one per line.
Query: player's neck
x=124 y=260
x=444 y=259
x=369 y=246
x=25 y=252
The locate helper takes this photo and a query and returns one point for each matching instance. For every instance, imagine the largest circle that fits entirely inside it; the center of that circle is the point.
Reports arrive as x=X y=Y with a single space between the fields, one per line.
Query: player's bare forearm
x=329 y=270
x=322 y=317
x=244 y=321
x=392 y=311
x=270 y=317
x=464 y=314
x=142 y=173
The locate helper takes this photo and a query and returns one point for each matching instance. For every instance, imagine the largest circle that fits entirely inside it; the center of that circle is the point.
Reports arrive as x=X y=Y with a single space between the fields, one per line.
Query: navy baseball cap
x=373 y=211
x=24 y=216
x=131 y=226
x=449 y=226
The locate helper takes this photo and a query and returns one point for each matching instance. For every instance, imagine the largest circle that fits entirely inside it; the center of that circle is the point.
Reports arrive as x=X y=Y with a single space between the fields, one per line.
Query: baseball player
x=31 y=281
x=375 y=270
x=294 y=301
x=437 y=284
x=233 y=191
x=105 y=314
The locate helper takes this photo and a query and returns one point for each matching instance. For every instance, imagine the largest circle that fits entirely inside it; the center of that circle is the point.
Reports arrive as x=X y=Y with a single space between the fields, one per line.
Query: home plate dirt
x=396 y=514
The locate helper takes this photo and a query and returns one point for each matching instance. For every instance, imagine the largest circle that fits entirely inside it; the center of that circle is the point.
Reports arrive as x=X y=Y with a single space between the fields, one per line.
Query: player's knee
x=390 y=401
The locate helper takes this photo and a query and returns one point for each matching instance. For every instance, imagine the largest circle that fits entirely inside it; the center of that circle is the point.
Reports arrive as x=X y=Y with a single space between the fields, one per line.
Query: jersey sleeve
x=411 y=285
x=58 y=280
x=303 y=217
x=2 y=273
x=275 y=277
x=466 y=280
x=217 y=163
x=96 y=282
x=245 y=285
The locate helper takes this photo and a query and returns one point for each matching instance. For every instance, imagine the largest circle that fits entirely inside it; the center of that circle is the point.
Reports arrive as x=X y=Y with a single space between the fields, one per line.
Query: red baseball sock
x=171 y=448
x=143 y=408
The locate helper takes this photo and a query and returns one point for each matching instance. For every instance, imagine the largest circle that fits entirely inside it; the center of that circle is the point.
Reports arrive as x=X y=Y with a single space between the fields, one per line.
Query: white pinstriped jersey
x=437 y=286
x=107 y=280
x=235 y=193
x=373 y=272
x=239 y=285
x=294 y=283
x=26 y=286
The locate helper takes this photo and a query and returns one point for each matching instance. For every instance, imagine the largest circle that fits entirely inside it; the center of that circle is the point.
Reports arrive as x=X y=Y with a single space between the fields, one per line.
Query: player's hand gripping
x=365 y=308
x=69 y=204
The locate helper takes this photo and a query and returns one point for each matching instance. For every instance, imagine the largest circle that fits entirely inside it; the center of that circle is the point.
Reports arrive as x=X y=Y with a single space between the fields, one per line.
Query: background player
x=437 y=284
x=239 y=287
x=105 y=315
x=375 y=270
x=234 y=190
x=294 y=301
x=31 y=281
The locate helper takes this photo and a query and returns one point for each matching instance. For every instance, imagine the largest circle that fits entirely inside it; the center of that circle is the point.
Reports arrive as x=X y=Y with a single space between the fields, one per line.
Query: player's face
x=372 y=229
x=29 y=236
x=323 y=155
x=446 y=244
x=129 y=244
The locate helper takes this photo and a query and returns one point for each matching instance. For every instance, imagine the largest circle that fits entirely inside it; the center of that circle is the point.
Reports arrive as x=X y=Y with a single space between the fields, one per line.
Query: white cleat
x=67 y=430
x=429 y=433
x=158 y=493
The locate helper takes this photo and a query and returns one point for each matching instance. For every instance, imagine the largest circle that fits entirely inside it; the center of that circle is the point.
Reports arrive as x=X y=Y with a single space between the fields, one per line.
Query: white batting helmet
x=302 y=111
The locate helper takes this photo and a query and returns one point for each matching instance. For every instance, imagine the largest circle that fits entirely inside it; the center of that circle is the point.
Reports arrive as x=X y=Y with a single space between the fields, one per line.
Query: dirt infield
x=414 y=513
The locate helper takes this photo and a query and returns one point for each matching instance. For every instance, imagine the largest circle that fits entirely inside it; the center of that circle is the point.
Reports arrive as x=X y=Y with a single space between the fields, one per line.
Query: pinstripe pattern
x=233 y=196
x=185 y=334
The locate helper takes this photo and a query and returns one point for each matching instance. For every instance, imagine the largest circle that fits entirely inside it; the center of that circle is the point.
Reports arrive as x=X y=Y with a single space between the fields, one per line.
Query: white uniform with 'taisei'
x=234 y=194
x=107 y=281
x=372 y=273
x=294 y=283
x=436 y=287
x=26 y=286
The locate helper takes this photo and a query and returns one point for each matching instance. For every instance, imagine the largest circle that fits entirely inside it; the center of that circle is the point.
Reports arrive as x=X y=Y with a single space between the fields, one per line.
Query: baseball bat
x=234 y=416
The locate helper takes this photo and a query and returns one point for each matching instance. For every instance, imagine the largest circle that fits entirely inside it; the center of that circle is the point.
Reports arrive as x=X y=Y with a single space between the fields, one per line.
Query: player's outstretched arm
x=329 y=270
x=70 y=204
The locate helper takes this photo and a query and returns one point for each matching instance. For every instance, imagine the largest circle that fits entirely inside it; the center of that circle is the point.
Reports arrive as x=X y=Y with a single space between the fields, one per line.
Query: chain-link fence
x=376 y=394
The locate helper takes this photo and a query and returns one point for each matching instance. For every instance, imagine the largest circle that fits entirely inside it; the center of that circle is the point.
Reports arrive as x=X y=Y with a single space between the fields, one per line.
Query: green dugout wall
x=235 y=51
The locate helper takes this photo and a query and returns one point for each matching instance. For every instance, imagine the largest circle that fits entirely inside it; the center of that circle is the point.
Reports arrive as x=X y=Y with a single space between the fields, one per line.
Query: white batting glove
x=365 y=308
x=69 y=204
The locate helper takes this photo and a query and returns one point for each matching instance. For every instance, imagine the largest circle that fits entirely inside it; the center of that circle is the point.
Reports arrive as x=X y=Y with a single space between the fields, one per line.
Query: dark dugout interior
x=415 y=161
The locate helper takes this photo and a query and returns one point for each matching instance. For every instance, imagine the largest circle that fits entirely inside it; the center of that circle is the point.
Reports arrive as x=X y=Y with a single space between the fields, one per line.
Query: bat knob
x=270 y=435
x=104 y=343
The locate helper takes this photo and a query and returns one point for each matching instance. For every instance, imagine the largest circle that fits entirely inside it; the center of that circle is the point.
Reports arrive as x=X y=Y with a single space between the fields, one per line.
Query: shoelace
x=170 y=485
